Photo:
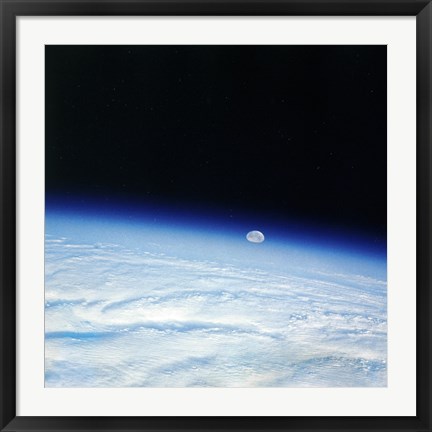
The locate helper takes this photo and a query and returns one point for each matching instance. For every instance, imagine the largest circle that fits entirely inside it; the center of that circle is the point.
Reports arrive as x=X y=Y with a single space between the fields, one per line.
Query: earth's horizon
x=145 y=305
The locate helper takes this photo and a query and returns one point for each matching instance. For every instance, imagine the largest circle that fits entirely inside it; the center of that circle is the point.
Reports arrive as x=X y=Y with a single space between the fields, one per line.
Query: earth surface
x=145 y=303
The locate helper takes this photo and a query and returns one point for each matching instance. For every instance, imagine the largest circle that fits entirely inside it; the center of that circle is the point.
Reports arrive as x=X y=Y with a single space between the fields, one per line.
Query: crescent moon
x=255 y=236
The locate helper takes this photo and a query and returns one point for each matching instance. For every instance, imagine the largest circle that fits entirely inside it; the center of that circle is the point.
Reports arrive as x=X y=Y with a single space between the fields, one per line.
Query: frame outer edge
x=8 y=12
x=7 y=216
x=424 y=214
x=216 y=7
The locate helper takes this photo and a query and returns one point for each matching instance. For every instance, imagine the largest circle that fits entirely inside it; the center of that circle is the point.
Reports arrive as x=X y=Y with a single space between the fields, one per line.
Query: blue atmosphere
x=160 y=296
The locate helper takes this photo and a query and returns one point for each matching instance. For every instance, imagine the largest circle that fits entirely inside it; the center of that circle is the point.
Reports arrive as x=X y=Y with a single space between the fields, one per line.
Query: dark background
x=296 y=131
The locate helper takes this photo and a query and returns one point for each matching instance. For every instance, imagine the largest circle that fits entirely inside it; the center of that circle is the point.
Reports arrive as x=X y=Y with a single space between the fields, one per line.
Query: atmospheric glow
x=148 y=306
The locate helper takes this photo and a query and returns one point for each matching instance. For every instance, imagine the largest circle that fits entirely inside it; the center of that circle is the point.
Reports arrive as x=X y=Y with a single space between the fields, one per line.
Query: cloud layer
x=119 y=317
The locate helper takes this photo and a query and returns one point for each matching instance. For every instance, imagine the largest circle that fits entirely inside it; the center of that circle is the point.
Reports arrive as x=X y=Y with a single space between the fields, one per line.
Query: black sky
x=299 y=131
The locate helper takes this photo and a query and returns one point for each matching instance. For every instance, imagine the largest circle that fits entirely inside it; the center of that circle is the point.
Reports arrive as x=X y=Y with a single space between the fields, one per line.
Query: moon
x=255 y=236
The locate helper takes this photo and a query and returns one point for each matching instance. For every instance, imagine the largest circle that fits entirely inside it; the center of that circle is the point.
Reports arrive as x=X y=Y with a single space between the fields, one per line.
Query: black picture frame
x=10 y=9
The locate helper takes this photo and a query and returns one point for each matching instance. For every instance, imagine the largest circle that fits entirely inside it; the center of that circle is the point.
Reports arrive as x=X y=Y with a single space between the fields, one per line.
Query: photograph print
x=215 y=216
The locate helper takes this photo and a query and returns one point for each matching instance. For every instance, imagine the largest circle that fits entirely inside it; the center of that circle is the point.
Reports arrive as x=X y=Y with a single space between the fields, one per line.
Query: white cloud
x=119 y=317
